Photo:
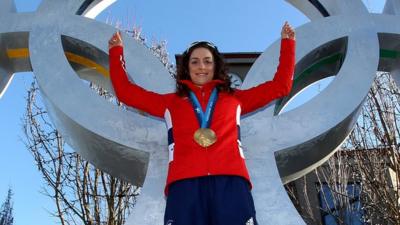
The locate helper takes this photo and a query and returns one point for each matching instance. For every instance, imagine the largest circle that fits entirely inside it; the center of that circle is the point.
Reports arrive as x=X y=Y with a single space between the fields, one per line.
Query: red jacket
x=187 y=159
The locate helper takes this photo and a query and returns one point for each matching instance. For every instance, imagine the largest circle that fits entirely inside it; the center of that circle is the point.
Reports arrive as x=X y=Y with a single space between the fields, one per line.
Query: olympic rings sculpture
x=342 y=39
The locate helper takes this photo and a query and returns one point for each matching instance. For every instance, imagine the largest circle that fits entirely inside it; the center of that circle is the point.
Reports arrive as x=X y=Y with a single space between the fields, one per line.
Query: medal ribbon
x=204 y=118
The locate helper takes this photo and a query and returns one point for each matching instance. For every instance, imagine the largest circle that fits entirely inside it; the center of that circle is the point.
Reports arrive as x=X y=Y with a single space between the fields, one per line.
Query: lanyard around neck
x=204 y=118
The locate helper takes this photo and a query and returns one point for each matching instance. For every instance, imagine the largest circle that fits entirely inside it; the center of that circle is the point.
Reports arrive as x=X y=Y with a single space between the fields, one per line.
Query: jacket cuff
x=116 y=51
x=288 y=42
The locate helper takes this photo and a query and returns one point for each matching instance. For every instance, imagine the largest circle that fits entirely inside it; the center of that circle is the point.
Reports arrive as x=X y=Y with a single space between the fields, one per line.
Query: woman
x=208 y=182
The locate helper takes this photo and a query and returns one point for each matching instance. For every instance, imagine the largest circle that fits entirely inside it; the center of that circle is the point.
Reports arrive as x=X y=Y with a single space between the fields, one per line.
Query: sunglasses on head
x=196 y=43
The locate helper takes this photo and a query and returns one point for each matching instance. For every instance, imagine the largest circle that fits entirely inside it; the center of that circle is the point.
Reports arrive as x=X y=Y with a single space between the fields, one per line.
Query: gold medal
x=205 y=137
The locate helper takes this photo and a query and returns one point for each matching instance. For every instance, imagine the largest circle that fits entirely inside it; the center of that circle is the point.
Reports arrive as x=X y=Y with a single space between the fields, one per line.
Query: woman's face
x=201 y=66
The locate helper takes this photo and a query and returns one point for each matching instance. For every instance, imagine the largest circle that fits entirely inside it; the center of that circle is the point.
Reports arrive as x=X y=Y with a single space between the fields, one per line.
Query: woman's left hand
x=288 y=32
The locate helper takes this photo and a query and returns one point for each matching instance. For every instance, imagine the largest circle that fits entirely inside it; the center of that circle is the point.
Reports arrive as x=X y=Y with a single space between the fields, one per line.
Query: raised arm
x=280 y=86
x=126 y=91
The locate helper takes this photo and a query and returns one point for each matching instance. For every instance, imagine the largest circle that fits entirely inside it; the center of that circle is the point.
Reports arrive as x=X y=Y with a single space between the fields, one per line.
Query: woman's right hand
x=115 y=40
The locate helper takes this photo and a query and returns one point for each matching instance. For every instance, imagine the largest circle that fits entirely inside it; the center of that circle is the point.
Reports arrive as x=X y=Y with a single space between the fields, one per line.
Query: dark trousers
x=210 y=200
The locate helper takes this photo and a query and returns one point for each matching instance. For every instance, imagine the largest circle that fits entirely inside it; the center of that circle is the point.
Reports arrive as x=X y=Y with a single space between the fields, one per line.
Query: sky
x=232 y=25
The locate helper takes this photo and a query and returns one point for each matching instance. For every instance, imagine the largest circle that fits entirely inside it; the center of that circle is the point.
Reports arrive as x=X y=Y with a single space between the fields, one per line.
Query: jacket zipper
x=206 y=149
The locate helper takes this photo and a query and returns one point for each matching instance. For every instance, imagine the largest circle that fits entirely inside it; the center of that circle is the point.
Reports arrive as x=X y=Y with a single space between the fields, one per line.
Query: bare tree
x=6 y=210
x=82 y=193
x=158 y=48
x=330 y=194
x=362 y=179
x=377 y=134
x=339 y=187
x=301 y=199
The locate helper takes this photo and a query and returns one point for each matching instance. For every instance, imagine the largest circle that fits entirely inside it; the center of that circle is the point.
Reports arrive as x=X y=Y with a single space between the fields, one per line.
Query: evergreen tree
x=6 y=215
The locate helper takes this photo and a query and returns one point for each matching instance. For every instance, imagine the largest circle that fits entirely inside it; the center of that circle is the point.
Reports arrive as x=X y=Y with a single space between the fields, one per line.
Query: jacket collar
x=208 y=86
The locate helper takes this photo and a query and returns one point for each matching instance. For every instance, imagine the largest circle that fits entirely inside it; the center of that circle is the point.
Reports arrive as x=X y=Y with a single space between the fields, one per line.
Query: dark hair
x=220 y=69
